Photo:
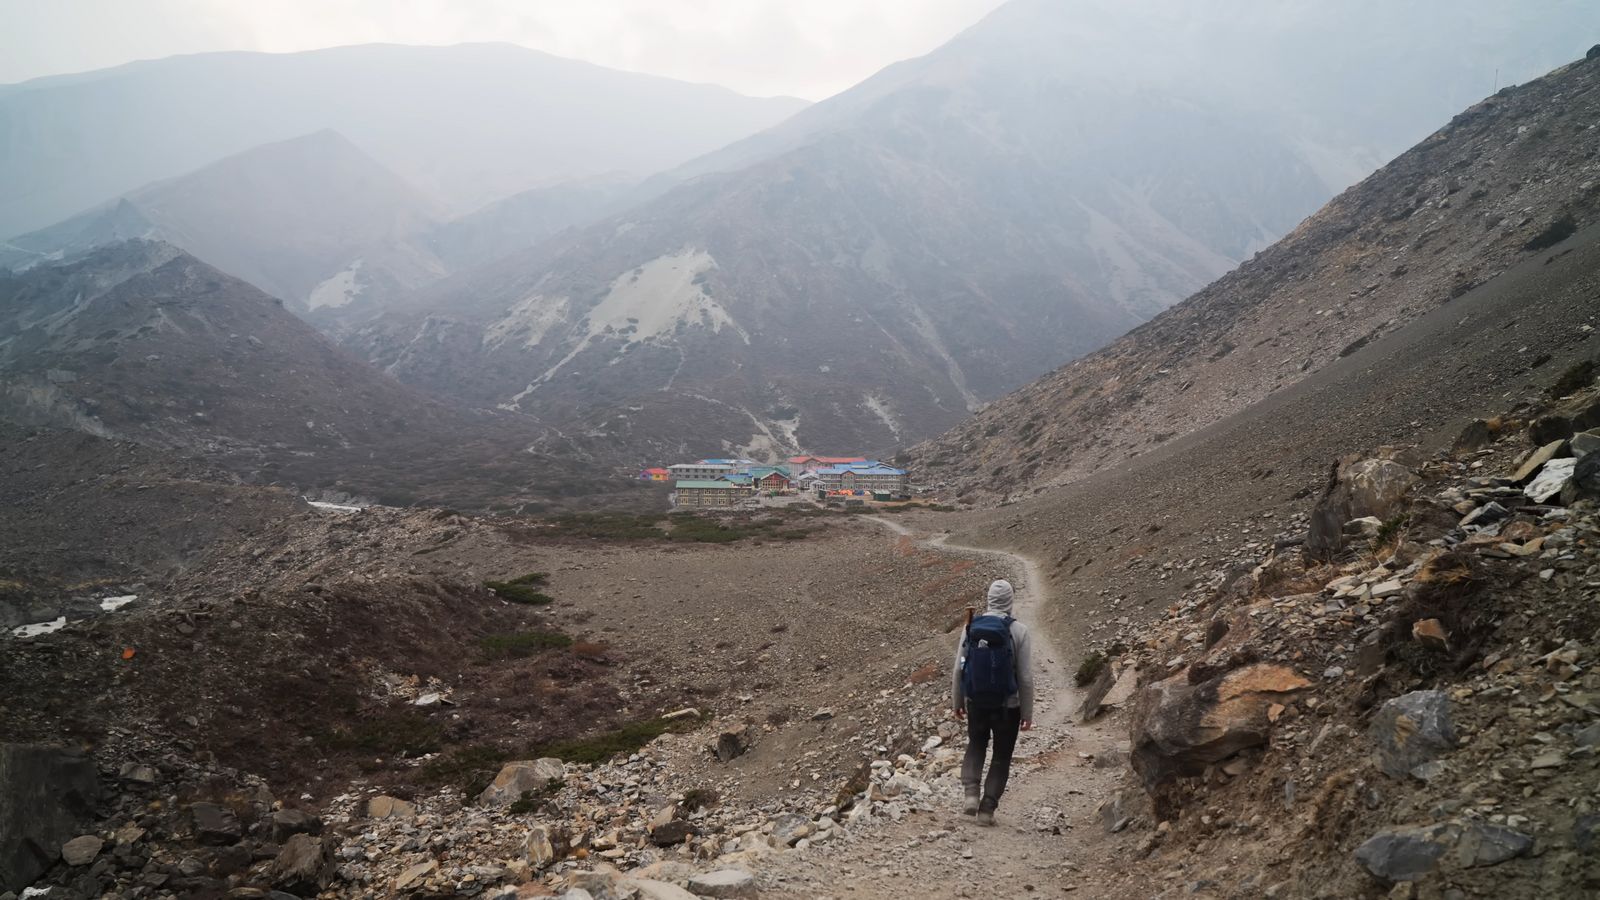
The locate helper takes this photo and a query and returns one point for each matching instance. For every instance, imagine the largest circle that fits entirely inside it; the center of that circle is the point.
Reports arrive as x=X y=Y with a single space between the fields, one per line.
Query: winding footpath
x=1042 y=844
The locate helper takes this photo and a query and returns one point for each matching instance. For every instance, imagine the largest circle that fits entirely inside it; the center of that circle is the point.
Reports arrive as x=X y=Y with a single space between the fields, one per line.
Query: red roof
x=657 y=472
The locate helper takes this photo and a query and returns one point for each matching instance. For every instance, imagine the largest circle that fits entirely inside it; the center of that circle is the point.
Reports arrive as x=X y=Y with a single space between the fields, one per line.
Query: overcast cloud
x=804 y=48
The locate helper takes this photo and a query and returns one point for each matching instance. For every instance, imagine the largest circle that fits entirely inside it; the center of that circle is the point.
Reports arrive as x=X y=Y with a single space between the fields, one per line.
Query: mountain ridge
x=466 y=124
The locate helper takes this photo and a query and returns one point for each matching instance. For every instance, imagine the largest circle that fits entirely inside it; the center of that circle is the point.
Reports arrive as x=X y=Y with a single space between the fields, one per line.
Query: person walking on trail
x=992 y=690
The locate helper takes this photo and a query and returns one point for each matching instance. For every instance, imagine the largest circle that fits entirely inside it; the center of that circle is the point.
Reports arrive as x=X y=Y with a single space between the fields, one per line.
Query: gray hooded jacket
x=999 y=604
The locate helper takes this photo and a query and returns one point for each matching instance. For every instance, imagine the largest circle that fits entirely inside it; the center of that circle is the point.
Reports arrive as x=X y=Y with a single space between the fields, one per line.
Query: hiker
x=993 y=690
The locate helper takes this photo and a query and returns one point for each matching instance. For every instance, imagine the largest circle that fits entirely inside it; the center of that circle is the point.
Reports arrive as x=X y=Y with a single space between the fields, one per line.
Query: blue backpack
x=989 y=674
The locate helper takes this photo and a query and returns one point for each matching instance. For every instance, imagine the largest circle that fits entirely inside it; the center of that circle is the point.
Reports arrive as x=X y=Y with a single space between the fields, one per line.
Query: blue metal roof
x=862 y=469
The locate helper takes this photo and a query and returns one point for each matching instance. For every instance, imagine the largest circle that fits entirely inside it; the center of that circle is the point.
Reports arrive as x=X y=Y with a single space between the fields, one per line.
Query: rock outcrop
x=1178 y=728
x=47 y=796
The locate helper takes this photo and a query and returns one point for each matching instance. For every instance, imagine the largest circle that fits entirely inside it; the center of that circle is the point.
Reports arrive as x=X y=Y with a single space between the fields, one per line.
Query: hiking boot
x=969 y=807
x=986 y=818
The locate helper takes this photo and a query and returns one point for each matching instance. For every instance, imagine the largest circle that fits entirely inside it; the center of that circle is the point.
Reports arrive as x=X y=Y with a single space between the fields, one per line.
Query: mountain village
x=724 y=483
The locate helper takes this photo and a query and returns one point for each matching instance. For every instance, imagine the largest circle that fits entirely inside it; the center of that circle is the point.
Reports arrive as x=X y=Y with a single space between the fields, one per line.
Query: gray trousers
x=1003 y=723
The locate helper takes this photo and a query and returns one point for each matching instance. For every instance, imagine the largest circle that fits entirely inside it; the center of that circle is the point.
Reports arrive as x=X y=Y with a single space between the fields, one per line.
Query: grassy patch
x=704 y=531
x=387 y=734
x=1391 y=531
x=1090 y=668
x=470 y=768
x=522 y=644
x=523 y=589
x=605 y=526
x=601 y=747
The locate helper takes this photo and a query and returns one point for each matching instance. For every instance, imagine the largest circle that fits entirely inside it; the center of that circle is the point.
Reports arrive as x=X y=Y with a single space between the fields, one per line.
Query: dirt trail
x=1044 y=838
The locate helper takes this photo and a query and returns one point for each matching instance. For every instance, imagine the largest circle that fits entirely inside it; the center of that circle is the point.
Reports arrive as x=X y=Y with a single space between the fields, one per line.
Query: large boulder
x=1585 y=443
x=1585 y=483
x=724 y=883
x=659 y=890
x=1178 y=728
x=1548 y=429
x=47 y=797
x=304 y=866
x=1411 y=854
x=215 y=825
x=384 y=806
x=518 y=778
x=1412 y=730
x=540 y=847
x=1359 y=488
x=1407 y=854
x=1531 y=466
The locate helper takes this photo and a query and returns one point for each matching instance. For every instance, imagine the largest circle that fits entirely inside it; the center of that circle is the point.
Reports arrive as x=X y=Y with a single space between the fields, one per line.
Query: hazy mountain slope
x=989 y=216
x=1507 y=176
x=469 y=124
x=525 y=219
x=311 y=220
x=142 y=342
x=1306 y=69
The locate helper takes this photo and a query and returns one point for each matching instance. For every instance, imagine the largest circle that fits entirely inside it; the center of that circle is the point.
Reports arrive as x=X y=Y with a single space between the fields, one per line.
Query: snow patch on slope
x=339 y=290
x=880 y=408
x=531 y=319
x=649 y=304
x=654 y=299
x=930 y=334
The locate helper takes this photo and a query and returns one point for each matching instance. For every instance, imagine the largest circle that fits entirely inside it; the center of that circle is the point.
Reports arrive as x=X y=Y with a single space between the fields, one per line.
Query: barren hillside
x=142 y=342
x=876 y=268
x=1497 y=186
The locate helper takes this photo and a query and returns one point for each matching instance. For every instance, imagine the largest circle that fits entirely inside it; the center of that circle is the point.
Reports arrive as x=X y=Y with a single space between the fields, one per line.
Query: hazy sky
x=806 y=48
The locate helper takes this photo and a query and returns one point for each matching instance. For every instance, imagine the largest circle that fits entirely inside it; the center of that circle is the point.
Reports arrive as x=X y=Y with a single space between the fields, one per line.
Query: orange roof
x=657 y=472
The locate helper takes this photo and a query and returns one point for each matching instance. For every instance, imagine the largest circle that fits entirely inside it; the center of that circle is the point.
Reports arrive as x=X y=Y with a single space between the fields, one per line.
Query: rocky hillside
x=142 y=342
x=467 y=124
x=1502 y=183
x=875 y=269
x=312 y=221
x=1407 y=691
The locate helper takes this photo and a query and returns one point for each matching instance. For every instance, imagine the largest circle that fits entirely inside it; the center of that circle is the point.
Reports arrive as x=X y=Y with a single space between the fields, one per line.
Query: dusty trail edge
x=1045 y=837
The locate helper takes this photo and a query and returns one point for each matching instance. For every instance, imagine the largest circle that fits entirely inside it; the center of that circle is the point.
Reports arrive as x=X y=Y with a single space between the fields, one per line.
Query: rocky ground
x=1407 y=706
x=1381 y=689
x=1388 y=694
x=801 y=660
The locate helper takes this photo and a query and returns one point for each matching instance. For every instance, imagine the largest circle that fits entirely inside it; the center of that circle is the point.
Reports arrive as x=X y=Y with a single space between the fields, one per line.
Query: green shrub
x=627 y=739
x=1090 y=668
x=387 y=734
x=522 y=644
x=1391 y=530
x=470 y=768
x=605 y=526
x=521 y=590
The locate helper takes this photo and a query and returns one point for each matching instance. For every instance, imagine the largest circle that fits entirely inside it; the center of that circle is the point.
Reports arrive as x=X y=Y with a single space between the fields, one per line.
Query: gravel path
x=1042 y=843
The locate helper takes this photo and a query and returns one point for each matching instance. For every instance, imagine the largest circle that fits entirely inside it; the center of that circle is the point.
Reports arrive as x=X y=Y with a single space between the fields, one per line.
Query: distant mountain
x=882 y=264
x=1502 y=185
x=467 y=124
x=142 y=342
x=526 y=219
x=311 y=220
